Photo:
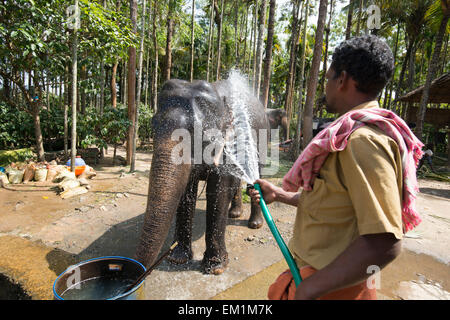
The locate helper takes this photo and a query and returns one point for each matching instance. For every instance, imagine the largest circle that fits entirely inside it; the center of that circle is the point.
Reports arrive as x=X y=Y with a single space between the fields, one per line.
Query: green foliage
x=100 y=130
x=19 y=155
x=16 y=128
x=145 y=123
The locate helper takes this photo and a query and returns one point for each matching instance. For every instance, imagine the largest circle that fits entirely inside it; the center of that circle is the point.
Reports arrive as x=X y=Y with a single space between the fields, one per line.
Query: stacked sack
x=68 y=184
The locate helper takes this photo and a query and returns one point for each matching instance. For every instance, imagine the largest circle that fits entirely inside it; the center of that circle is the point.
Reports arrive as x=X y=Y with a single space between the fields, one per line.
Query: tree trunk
x=243 y=60
x=236 y=40
x=391 y=83
x=251 y=43
x=402 y=74
x=73 y=146
x=268 y=58
x=139 y=90
x=292 y=64
x=313 y=74
x=210 y=34
x=219 y=41
x=66 y=111
x=321 y=103
x=192 y=41
x=255 y=34
x=37 y=131
x=113 y=85
x=147 y=66
x=155 y=68
x=168 y=64
x=348 y=31
x=358 y=26
x=82 y=92
x=259 y=49
x=434 y=63
x=298 y=132
x=131 y=84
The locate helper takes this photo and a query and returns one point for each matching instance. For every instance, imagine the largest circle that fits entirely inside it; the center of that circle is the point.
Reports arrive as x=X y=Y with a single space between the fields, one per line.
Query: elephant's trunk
x=167 y=183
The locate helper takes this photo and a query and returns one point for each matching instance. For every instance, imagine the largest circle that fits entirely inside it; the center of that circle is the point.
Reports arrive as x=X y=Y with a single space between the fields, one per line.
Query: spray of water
x=241 y=151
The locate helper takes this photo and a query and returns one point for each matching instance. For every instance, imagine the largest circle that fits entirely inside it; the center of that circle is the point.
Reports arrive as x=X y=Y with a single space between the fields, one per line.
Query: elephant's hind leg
x=183 y=228
x=236 y=204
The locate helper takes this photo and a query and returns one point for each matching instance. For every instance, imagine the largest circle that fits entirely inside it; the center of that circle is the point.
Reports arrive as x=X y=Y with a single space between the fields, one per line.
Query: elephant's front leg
x=183 y=228
x=219 y=192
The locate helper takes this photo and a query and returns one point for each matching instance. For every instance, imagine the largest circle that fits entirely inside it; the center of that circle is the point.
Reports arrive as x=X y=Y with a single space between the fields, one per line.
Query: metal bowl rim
x=97 y=259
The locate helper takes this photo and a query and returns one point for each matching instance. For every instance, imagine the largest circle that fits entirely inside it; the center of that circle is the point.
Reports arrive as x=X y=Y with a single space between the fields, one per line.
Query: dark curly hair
x=367 y=59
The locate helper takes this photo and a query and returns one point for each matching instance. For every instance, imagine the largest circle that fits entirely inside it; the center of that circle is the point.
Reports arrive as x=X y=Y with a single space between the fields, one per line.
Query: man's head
x=359 y=70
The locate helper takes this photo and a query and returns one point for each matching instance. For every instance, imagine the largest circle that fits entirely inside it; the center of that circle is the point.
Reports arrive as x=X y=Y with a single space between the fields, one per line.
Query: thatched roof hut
x=439 y=91
x=439 y=94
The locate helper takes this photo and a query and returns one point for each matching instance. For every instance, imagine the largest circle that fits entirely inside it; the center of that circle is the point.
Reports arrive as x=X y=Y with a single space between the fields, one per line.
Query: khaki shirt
x=358 y=191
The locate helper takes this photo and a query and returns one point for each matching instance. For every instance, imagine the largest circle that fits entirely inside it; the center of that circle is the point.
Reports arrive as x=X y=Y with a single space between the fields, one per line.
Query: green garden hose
x=273 y=228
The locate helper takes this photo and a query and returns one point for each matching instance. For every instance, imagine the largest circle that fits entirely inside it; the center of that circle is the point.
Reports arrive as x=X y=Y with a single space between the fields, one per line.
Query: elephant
x=173 y=186
x=278 y=118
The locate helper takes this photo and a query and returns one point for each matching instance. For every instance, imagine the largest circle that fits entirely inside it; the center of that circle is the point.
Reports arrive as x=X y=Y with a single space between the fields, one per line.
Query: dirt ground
x=42 y=234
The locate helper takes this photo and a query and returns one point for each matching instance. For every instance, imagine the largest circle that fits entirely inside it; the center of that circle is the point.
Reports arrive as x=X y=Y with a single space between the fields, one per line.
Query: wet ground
x=41 y=235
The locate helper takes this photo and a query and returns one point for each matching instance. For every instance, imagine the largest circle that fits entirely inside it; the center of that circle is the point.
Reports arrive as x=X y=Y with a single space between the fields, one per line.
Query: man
x=427 y=157
x=349 y=216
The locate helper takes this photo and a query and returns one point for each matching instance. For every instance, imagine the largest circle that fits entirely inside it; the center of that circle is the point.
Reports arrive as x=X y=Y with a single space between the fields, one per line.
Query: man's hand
x=269 y=191
x=273 y=193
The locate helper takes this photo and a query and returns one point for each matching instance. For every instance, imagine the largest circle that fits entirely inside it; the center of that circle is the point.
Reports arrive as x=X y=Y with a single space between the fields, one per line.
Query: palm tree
x=192 y=41
x=268 y=58
x=314 y=74
x=434 y=63
x=262 y=21
x=292 y=63
x=170 y=24
x=348 y=30
x=210 y=34
x=132 y=84
x=219 y=40
x=138 y=95
x=74 y=97
x=297 y=144
x=156 y=65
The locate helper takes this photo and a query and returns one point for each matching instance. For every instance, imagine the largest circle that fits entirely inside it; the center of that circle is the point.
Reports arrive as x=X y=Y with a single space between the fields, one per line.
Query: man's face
x=331 y=90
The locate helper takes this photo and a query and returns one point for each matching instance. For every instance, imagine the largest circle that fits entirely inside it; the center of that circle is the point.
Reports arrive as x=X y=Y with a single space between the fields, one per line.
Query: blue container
x=78 y=162
x=102 y=278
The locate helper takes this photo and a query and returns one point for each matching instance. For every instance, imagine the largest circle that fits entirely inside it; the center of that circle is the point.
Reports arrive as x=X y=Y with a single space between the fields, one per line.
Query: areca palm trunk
x=156 y=65
x=313 y=74
x=262 y=20
x=139 y=90
x=219 y=41
x=168 y=66
x=268 y=58
x=73 y=147
x=298 y=133
x=434 y=63
x=132 y=84
x=211 y=25
x=192 y=41
x=348 y=31
x=292 y=64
